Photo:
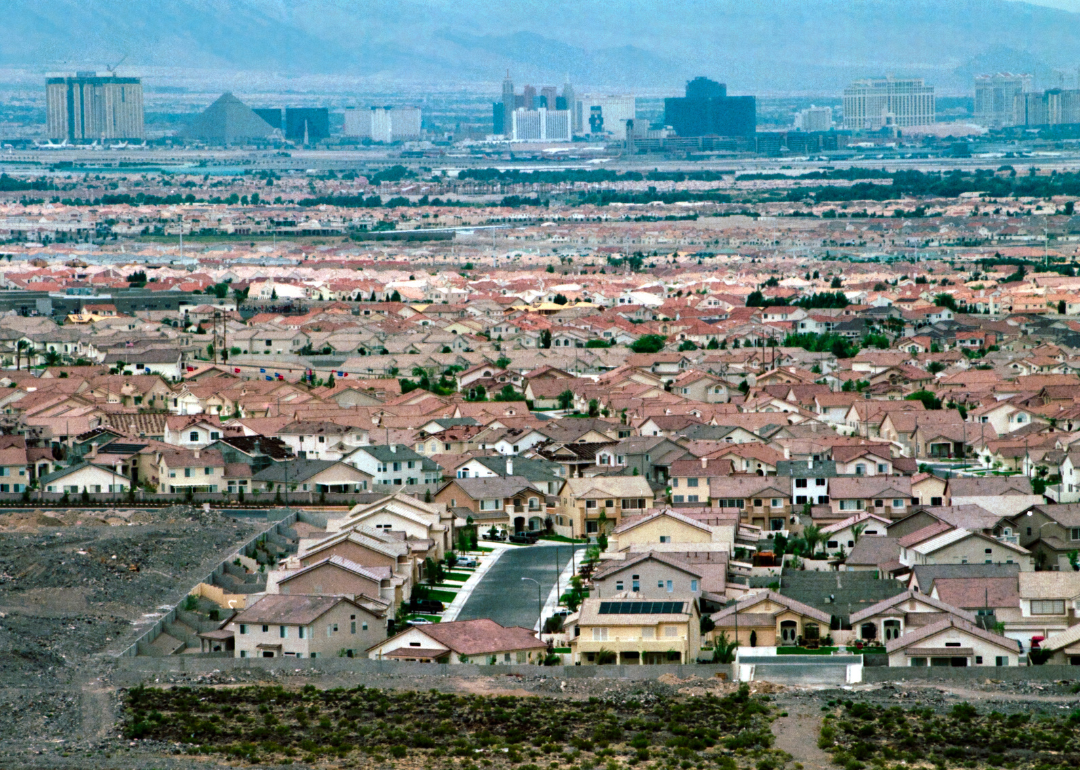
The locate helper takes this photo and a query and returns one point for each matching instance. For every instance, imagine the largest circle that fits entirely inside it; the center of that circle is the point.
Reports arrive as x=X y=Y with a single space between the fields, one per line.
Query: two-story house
x=394 y=465
x=197 y=471
x=306 y=626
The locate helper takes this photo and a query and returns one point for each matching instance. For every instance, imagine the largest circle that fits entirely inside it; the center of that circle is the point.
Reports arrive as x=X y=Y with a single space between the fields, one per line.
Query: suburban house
x=85 y=477
x=887 y=496
x=892 y=618
x=636 y=631
x=945 y=544
x=588 y=499
x=1051 y=533
x=952 y=641
x=504 y=502
x=768 y=619
x=426 y=527
x=763 y=501
x=844 y=534
x=313 y=476
x=338 y=576
x=667 y=529
x=305 y=626
x=1003 y=495
x=480 y=641
x=654 y=576
x=395 y=465
x=197 y=470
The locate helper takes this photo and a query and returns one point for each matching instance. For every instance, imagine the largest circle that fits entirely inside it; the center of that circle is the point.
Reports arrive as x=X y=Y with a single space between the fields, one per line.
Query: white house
x=86 y=477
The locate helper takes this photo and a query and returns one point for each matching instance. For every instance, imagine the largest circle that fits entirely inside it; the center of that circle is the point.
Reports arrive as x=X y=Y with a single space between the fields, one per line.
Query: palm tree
x=856 y=531
x=724 y=648
x=813 y=537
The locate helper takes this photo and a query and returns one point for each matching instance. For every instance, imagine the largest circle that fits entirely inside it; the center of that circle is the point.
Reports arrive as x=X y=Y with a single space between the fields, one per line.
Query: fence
x=170 y=616
x=207 y=664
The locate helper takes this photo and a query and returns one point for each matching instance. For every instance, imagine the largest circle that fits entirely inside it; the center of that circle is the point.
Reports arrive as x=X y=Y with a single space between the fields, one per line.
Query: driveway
x=507 y=599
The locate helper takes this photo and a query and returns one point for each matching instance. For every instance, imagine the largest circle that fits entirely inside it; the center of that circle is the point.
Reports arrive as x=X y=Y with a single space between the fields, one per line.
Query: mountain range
x=756 y=46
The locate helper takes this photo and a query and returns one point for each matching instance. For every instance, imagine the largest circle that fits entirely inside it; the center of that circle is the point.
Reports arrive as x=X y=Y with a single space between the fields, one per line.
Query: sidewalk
x=487 y=561
x=561 y=586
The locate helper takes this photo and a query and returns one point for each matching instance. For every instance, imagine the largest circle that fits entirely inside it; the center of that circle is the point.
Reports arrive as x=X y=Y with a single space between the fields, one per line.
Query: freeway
x=507 y=599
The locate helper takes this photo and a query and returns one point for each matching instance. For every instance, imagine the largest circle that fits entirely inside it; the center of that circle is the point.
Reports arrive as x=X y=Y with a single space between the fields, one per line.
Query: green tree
x=560 y=299
x=929 y=400
x=502 y=362
x=946 y=301
x=396 y=296
x=649 y=343
x=813 y=537
x=836 y=283
x=566 y=399
x=687 y=345
x=724 y=648
x=545 y=338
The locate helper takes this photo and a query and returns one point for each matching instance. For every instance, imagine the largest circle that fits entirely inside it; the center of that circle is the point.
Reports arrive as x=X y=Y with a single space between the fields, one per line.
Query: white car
x=418 y=622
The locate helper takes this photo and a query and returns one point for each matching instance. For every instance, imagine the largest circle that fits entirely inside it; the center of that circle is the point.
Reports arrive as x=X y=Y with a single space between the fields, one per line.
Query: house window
x=490 y=505
x=283 y=632
x=800 y=483
x=665 y=538
x=819 y=482
x=302 y=632
x=599 y=635
x=1048 y=607
x=590 y=505
x=693 y=586
x=1074 y=533
x=208 y=471
x=691 y=498
x=635 y=583
x=937 y=501
x=882 y=468
x=243 y=628
x=1001 y=660
x=897 y=503
x=860 y=469
x=678 y=498
x=670 y=587
x=692 y=482
x=618 y=585
x=851 y=505
x=777 y=502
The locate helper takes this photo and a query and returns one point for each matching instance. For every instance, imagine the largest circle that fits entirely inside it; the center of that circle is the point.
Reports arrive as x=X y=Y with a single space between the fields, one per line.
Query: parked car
x=560 y=611
x=468 y=561
x=524 y=537
x=418 y=622
x=500 y=534
x=427 y=606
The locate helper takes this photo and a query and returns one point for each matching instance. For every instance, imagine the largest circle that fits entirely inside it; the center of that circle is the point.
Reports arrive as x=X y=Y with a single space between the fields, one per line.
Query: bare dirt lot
x=72 y=583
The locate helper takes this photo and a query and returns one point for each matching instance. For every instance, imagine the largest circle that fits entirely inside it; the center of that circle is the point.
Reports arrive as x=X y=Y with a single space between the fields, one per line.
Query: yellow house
x=586 y=499
x=770 y=620
x=630 y=631
x=669 y=530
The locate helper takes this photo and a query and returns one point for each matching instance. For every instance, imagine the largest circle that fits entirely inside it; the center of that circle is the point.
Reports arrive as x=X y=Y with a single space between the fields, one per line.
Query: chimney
x=93 y=451
x=787 y=453
x=810 y=462
x=509 y=466
x=196 y=454
x=393 y=448
x=704 y=462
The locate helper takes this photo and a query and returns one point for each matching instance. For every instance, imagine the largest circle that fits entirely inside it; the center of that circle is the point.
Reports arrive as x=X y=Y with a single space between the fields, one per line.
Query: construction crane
x=112 y=70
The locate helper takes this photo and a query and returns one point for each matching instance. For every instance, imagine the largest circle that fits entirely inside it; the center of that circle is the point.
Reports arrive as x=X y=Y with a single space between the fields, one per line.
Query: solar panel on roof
x=605 y=608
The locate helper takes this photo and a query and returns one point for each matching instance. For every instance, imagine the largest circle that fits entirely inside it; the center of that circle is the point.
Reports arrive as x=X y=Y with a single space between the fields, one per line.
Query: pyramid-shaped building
x=228 y=121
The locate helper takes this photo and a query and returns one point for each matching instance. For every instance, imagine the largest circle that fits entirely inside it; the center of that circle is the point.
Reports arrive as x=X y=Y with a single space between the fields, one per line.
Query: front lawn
x=805 y=651
x=440 y=596
x=561 y=539
x=459 y=576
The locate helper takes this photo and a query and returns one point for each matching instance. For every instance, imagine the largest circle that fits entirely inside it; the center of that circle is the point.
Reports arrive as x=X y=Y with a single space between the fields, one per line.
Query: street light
x=539 y=604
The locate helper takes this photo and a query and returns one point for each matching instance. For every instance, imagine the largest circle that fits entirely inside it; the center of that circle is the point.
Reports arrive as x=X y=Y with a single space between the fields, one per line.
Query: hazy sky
x=1067 y=5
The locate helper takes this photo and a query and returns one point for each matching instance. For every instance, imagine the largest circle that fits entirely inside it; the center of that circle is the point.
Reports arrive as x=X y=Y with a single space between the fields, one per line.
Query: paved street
x=507 y=599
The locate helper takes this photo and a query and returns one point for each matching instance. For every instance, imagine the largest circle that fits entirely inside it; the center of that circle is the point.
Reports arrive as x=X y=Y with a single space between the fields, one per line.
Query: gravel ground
x=72 y=585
